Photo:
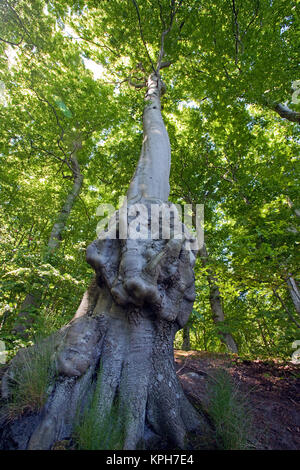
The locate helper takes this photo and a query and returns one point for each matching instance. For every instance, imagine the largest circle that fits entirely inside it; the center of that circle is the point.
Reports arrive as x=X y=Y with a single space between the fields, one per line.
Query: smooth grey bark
x=143 y=292
x=290 y=280
x=216 y=302
x=151 y=178
x=32 y=300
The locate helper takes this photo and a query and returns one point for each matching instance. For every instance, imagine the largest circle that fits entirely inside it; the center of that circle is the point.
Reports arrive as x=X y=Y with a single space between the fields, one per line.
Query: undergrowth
x=29 y=380
x=95 y=432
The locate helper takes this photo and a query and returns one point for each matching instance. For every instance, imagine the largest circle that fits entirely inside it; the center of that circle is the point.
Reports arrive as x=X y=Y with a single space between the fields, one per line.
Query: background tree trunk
x=186 y=345
x=294 y=293
x=216 y=303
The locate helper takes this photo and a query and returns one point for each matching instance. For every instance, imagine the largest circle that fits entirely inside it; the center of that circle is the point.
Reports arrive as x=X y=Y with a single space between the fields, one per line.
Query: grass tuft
x=29 y=380
x=230 y=412
x=95 y=432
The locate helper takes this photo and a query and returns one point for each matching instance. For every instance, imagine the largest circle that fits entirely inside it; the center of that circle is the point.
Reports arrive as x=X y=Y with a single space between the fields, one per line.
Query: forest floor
x=272 y=391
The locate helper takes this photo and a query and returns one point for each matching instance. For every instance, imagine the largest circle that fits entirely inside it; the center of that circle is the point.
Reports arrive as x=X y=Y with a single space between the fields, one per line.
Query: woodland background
x=65 y=75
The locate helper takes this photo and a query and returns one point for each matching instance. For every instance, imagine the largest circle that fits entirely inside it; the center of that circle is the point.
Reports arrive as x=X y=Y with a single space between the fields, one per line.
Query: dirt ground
x=272 y=390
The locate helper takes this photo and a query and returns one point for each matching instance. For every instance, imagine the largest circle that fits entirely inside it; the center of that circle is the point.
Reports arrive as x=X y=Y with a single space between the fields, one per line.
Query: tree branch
x=12 y=43
x=60 y=138
x=96 y=44
x=255 y=13
x=286 y=113
x=236 y=32
x=21 y=24
x=141 y=33
x=286 y=309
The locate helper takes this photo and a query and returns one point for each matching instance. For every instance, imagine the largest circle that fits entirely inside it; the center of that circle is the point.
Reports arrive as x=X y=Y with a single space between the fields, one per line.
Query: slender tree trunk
x=62 y=218
x=186 y=344
x=33 y=299
x=286 y=309
x=267 y=346
x=142 y=294
x=294 y=293
x=216 y=303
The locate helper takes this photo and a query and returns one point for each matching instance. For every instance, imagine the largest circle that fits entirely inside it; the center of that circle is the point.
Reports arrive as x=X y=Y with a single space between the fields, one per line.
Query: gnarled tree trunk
x=142 y=294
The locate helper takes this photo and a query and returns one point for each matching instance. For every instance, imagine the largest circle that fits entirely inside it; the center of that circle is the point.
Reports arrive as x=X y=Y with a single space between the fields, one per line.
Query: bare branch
x=255 y=13
x=48 y=152
x=12 y=43
x=164 y=65
x=164 y=34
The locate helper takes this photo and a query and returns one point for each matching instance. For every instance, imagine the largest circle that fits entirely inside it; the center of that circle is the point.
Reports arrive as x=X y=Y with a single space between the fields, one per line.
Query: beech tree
x=119 y=344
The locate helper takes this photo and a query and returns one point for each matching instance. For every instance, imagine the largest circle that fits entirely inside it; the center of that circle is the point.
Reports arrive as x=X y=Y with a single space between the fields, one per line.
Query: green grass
x=30 y=379
x=230 y=412
x=95 y=432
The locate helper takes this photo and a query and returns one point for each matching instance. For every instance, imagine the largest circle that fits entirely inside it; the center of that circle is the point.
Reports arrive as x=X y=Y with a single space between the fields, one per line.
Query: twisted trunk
x=124 y=329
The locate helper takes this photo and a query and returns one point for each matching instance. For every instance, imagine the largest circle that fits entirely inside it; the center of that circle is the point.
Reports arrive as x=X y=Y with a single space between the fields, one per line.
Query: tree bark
x=287 y=113
x=216 y=303
x=33 y=300
x=124 y=328
x=61 y=220
x=186 y=344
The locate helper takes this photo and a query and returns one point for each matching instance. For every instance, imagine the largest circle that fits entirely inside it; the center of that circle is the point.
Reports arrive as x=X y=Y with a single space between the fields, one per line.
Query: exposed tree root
x=135 y=358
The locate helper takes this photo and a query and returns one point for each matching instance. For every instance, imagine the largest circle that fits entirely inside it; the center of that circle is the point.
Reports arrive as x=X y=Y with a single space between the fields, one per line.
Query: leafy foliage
x=231 y=64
